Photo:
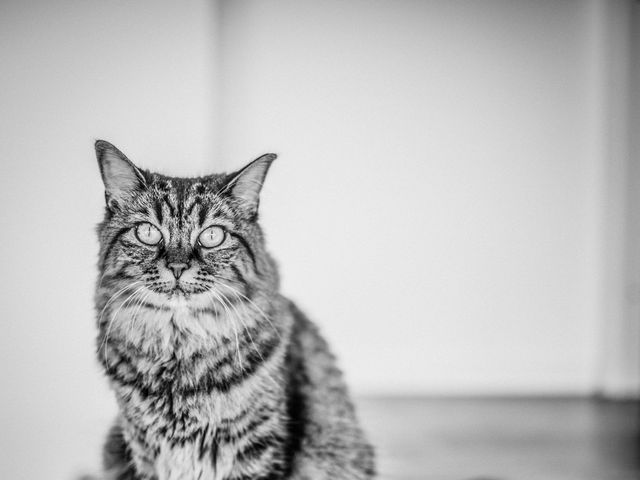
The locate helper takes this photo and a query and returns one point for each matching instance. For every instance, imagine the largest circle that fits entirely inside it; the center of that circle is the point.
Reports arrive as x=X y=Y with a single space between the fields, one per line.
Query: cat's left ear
x=122 y=179
x=245 y=184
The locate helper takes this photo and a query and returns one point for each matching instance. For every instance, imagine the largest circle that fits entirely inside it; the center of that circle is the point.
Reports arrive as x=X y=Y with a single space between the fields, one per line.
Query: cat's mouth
x=179 y=288
x=184 y=289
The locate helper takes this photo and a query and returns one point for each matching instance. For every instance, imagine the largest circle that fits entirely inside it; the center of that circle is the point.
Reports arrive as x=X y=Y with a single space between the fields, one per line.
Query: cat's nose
x=177 y=268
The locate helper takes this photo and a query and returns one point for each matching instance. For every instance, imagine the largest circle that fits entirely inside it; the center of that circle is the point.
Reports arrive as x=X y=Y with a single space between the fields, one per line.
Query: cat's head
x=182 y=240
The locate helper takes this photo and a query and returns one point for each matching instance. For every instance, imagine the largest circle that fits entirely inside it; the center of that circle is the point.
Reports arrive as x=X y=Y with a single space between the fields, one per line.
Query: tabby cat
x=216 y=375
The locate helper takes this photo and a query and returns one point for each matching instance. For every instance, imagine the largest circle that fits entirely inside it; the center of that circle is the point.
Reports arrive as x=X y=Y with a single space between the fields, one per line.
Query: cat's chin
x=178 y=299
x=178 y=302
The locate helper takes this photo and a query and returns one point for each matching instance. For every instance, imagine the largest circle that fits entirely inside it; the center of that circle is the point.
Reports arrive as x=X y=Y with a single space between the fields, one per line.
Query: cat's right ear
x=121 y=178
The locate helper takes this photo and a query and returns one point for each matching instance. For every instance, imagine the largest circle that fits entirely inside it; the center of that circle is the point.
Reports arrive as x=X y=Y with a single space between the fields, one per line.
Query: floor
x=503 y=439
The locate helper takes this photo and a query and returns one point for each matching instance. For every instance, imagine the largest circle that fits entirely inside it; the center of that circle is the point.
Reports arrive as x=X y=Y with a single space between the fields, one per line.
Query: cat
x=216 y=374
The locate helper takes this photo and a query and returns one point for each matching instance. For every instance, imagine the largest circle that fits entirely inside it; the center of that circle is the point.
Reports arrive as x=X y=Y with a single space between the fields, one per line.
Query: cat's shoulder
x=301 y=324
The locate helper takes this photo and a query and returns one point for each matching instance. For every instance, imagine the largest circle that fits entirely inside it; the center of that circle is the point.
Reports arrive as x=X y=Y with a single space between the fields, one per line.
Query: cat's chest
x=193 y=460
x=158 y=405
x=169 y=395
x=190 y=444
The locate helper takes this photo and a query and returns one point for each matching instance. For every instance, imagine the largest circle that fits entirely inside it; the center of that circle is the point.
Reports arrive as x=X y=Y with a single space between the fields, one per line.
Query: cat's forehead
x=177 y=186
x=181 y=202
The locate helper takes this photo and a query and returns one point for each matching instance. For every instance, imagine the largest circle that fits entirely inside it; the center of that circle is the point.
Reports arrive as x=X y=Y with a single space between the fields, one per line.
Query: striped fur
x=217 y=376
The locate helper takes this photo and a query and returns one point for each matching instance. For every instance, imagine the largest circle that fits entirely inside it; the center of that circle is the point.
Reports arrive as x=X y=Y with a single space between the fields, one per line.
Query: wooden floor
x=503 y=439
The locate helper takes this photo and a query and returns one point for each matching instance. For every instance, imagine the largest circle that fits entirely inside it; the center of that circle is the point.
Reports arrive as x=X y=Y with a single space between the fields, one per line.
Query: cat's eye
x=212 y=237
x=148 y=234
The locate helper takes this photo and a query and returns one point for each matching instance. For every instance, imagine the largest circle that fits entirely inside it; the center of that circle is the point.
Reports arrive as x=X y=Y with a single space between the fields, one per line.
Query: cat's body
x=217 y=376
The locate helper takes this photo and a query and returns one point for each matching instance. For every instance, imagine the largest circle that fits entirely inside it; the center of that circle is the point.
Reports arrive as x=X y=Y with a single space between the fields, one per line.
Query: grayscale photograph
x=320 y=239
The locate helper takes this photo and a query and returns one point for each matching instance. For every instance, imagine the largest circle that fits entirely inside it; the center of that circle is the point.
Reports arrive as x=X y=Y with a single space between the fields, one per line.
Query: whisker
x=115 y=295
x=246 y=329
x=257 y=308
x=134 y=317
x=239 y=317
x=113 y=318
x=233 y=325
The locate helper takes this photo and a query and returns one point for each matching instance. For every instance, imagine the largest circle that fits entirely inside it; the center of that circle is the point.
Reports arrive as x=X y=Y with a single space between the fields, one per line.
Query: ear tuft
x=246 y=183
x=121 y=178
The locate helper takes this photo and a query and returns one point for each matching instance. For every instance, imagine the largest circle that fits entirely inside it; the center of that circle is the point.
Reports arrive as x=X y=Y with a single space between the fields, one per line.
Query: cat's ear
x=121 y=178
x=246 y=183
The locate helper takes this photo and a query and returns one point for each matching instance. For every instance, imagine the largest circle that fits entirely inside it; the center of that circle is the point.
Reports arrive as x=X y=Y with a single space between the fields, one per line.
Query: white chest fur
x=186 y=463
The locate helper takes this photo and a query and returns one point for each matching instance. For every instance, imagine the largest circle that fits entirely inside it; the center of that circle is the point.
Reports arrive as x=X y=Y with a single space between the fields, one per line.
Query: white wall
x=633 y=246
x=140 y=74
x=439 y=203
x=621 y=365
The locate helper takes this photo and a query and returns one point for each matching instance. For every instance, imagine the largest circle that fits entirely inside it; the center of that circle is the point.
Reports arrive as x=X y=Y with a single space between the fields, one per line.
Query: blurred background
x=456 y=203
